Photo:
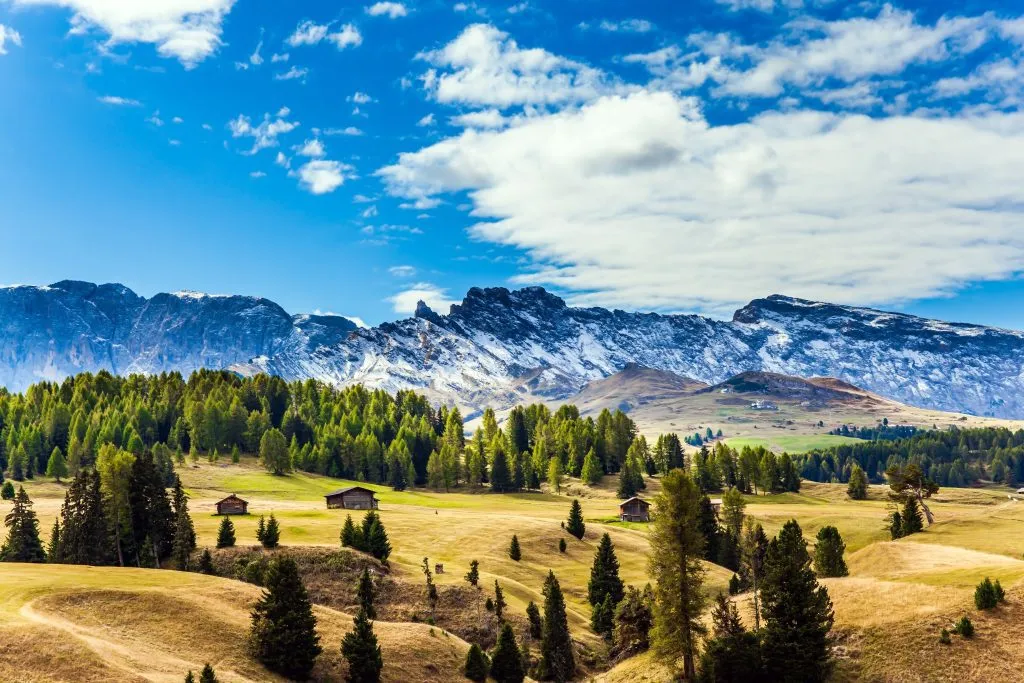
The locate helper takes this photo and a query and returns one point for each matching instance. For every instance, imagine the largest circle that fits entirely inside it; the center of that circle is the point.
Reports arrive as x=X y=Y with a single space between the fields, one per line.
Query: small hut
x=636 y=509
x=232 y=505
x=716 y=505
x=352 y=498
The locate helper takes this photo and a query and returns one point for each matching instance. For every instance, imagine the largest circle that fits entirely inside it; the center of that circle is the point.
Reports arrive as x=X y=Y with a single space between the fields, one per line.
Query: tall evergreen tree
x=506 y=659
x=477 y=667
x=592 y=471
x=473 y=575
x=377 y=543
x=911 y=517
x=575 y=525
x=633 y=621
x=501 y=477
x=22 y=543
x=677 y=547
x=534 y=619
x=733 y=655
x=366 y=594
x=226 y=533
x=272 y=533
x=708 y=523
x=604 y=575
x=797 y=611
x=153 y=521
x=857 y=488
x=360 y=649
x=53 y=551
x=85 y=531
x=184 y=541
x=351 y=537
x=283 y=633
x=499 y=602
x=557 y=662
x=57 y=466
x=828 y=553
x=514 y=551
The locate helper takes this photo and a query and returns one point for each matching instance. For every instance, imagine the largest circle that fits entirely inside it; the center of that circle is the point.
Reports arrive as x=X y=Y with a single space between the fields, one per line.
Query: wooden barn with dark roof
x=352 y=498
x=635 y=509
x=232 y=505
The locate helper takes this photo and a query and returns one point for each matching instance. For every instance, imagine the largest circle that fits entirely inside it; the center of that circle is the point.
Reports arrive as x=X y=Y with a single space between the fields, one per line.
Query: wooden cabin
x=635 y=509
x=232 y=505
x=352 y=498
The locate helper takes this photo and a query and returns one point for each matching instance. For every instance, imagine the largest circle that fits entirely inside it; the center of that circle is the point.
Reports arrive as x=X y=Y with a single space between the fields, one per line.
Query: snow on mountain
x=499 y=347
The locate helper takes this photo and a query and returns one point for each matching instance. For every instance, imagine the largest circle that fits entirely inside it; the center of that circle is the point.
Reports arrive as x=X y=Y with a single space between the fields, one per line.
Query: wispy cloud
x=117 y=101
x=392 y=10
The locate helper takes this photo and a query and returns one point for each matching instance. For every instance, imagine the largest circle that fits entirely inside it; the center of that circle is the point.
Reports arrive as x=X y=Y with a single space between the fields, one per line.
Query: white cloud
x=427 y=121
x=257 y=174
x=762 y=5
x=348 y=36
x=293 y=73
x=392 y=9
x=518 y=8
x=256 y=58
x=177 y=120
x=639 y=201
x=349 y=130
x=314 y=149
x=430 y=294
x=402 y=271
x=627 y=26
x=282 y=57
x=119 y=101
x=483 y=66
x=207 y=126
x=8 y=34
x=265 y=133
x=187 y=30
x=359 y=98
x=282 y=160
x=174 y=143
x=155 y=119
x=322 y=176
x=308 y=33
x=485 y=118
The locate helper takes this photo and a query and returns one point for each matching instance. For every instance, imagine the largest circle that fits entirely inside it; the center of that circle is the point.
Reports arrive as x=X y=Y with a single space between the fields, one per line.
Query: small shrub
x=7 y=492
x=944 y=637
x=964 y=627
x=561 y=545
x=985 y=595
x=1000 y=593
x=489 y=605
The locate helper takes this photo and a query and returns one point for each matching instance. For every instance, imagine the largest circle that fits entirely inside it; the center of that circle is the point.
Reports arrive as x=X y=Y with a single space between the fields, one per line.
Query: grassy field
x=788 y=443
x=911 y=585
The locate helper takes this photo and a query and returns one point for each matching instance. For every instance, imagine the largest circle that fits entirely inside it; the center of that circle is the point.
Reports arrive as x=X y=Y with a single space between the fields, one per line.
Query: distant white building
x=763 y=405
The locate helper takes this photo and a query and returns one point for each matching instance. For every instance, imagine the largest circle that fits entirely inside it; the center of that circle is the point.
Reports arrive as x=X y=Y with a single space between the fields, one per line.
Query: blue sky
x=354 y=157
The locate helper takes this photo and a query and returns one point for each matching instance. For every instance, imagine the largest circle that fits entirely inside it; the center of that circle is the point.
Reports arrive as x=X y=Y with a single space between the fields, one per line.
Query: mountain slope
x=499 y=347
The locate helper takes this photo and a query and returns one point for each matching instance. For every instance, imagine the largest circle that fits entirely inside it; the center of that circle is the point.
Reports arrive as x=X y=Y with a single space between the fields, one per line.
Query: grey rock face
x=499 y=347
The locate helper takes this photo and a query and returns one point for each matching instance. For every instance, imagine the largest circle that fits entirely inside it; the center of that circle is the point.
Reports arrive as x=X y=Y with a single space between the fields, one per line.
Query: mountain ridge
x=499 y=346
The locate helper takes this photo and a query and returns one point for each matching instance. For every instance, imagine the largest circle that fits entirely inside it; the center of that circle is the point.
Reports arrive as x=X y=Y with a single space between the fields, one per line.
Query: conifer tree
x=431 y=588
x=501 y=477
x=56 y=467
x=226 y=533
x=283 y=633
x=796 y=644
x=272 y=533
x=274 y=454
x=828 y=553
x=184 y=533
x=592 y=471
x=677 y=547
x=53 y=552
x=555 y=474
x=985 y=596
x=535 y=621
x=857 y=488
x=911 y=517
x=733 y=655
x=557 y=661
x=602 y=618
x=575 y=524
x=377 y=543
x=506 y=659
x=350 y=535
x=261 y=529
x=7 y=491
x=477 y=667
x=207 y=675
x=633 y=621
x=604 y=575
x=895 y=525
x=22 y=543
x=473 y=575
x=499 y=602
x=359 y=647
x=514 y=552
x=366 y=594
x=206 y=563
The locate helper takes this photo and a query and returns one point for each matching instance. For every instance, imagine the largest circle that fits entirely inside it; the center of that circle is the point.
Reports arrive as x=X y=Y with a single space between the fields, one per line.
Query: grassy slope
x=910 y=585
x=788 y=443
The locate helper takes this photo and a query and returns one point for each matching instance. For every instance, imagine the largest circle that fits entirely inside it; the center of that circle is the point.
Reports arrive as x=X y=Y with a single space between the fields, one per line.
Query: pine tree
x=507 y=660
x=633 y=621
x=208 y=675
x=351 y=537
x=985 y=596
x=555 y=474
x=911 y=517
x=366 y=594
x=895 y=525
x=7 y=491
x=261 y=529
x=591 y=472
x=797 y=610
x=708 y=524
x=575 y=525
x=190 y=677
x=514 y=552
x=828 y=553
x=22 y=543
x=535 y=621
x=557 y=661
x=206 y=563
x=602 y=618
x=733 y=655
x=677 y=547
x=53 y=552
x=274 y=454
x=431 y=588
x=360 y=649
x=499 y=602
x=473 y=575
x=272 y=533
x=604 y=575
x=377 y=543
x=283 y=634
x=501 y=477
x=561 y=545
x=226 y=533
x=857 y=488
x=184 y=533
x=477 y=666
x=57 y=467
